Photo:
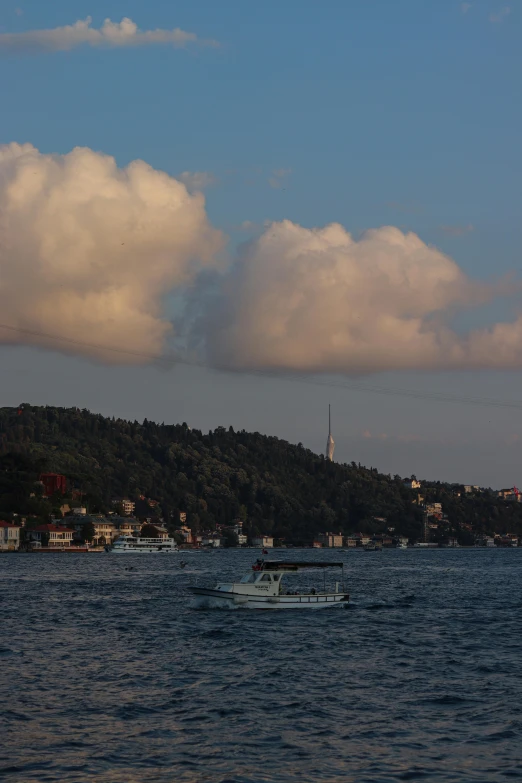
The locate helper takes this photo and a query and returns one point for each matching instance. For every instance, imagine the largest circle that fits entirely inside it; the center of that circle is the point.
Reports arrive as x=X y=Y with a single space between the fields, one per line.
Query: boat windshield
x=248 y=579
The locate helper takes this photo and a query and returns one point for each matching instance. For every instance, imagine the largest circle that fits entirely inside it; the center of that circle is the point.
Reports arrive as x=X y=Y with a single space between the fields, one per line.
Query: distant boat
x=125 y=545
x=372 y=547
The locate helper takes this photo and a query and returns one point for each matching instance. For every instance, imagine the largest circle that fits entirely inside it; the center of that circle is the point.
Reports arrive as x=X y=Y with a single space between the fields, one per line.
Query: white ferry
x=125 y=545
x=262 y=589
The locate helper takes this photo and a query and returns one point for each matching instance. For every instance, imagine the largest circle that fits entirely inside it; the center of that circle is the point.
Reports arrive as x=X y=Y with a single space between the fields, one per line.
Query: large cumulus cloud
x=89 y=253
x=317 y=300
x=88 y=250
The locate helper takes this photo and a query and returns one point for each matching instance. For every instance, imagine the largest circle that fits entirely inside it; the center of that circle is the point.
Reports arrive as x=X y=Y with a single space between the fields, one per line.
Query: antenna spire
x=330 y=443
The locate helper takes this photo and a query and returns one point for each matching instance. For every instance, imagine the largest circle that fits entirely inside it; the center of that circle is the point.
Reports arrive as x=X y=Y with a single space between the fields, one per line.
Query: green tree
x=88 y=532
x=230 y=538
x=149 y=531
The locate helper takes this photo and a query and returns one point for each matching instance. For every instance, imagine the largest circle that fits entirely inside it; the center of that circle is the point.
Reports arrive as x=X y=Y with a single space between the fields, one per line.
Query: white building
x=242 y=539
x=128 y=506
x=265 y=542
x=51 y=536
x=126 y=526
x=330 y=539
x=9 y=537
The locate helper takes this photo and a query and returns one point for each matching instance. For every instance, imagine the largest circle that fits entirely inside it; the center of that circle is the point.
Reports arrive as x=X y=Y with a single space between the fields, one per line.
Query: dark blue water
x=109 y=676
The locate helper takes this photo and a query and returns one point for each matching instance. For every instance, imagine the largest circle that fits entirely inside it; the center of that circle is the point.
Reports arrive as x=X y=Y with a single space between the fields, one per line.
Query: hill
x=274 y=486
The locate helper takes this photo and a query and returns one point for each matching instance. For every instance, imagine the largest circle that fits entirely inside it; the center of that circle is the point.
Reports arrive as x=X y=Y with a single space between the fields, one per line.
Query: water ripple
x=110 y=676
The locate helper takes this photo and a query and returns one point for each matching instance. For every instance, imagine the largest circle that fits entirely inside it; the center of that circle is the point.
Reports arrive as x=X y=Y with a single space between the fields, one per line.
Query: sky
x=298 y=203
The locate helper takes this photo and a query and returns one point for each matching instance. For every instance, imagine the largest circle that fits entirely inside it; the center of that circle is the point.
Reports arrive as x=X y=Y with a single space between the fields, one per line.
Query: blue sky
x=405 y=113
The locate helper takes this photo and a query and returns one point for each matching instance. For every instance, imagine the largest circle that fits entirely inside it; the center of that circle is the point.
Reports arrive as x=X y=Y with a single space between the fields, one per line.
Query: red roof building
x=53 y=482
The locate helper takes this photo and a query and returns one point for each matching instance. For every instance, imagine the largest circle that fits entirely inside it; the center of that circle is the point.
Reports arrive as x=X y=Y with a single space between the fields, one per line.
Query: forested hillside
x=274 y=486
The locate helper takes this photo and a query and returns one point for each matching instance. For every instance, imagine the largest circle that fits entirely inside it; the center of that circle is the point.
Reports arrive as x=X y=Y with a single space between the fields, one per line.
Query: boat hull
x=230 y=600
x=142 y=551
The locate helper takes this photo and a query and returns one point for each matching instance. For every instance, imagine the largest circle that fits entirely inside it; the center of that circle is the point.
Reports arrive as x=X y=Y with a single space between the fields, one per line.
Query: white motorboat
x=125 y=545
x=262 y=588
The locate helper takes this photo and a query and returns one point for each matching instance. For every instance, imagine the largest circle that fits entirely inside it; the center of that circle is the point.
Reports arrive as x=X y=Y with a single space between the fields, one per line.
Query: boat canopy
x=294 y=565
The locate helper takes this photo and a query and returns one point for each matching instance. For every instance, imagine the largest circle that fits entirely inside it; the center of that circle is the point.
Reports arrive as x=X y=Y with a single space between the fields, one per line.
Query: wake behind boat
x=262 y=589
x=125 y=545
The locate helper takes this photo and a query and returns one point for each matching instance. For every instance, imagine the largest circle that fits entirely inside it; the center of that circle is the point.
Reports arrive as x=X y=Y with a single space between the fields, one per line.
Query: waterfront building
x=9 y=537
x=126 y=526
x=265 y=542
x=51 y=535
x=104 y=529
x=331 y=539
x=188 y=536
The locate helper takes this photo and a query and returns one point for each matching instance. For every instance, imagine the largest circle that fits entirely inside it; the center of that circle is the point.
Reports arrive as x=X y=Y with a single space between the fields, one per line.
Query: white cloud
x=500 y=15
x=316 y=300
x=197 y=181
x=109 y=35
x=88 y=251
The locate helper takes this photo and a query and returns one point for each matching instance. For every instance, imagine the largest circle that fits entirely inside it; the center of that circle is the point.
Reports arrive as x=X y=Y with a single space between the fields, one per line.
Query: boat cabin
x=266 y=578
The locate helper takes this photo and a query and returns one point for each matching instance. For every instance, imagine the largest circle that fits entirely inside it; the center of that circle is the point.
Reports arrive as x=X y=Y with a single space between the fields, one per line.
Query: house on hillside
x=411 y=483
x=53 y=482
x=127 y=505
x=512 y=494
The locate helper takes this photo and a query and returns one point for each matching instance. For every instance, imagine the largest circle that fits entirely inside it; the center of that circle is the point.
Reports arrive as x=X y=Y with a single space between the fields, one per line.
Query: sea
x=108 y=674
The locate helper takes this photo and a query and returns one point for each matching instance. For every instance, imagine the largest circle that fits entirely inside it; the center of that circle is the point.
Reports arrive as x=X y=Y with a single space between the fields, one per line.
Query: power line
x=171 y=361
x=152 y=357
